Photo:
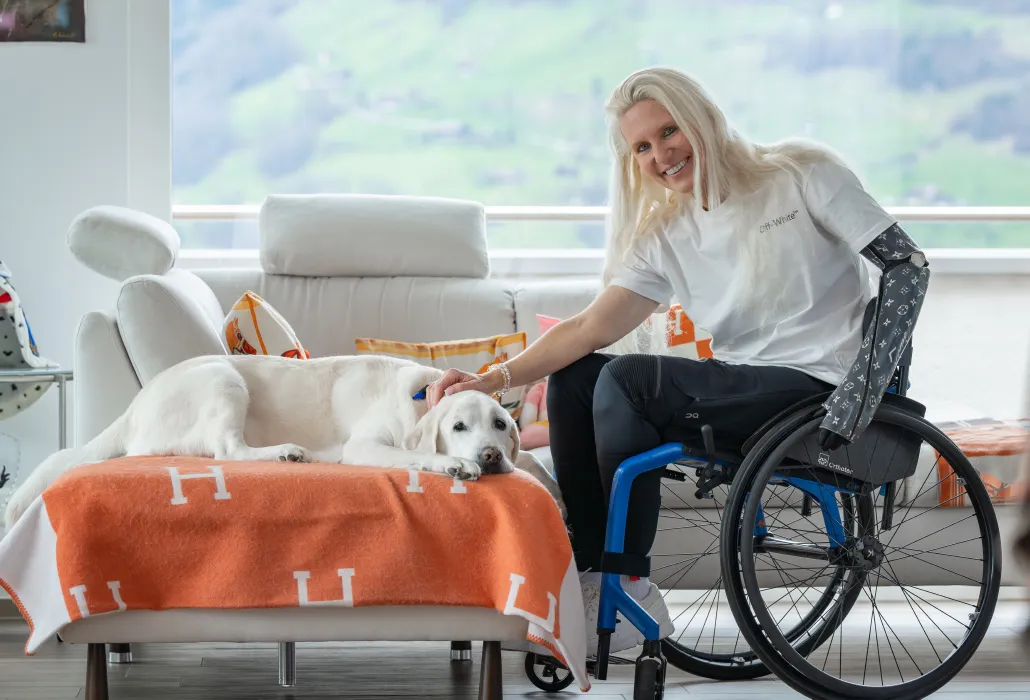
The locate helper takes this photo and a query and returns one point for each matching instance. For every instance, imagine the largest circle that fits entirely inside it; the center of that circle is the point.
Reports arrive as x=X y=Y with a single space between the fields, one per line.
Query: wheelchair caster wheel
x=547 y=673
x=649 y=679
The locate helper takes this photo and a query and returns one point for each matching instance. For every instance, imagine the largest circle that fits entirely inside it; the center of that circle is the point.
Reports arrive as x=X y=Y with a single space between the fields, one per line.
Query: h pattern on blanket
x=162 y=533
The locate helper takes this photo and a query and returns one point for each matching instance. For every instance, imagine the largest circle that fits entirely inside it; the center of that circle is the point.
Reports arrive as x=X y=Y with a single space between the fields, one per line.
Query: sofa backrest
x=338 y=267
x=328 y=313
x=555 y=298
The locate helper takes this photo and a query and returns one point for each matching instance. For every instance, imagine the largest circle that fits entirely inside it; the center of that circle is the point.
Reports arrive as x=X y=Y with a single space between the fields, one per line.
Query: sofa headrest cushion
x=121 y=243
x=346 y=235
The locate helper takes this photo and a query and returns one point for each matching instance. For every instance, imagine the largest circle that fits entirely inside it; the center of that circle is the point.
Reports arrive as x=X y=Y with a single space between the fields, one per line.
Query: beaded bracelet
x=507 y=379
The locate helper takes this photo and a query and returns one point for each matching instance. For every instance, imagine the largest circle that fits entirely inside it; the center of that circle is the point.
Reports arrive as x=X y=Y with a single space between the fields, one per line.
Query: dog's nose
x=490 y=458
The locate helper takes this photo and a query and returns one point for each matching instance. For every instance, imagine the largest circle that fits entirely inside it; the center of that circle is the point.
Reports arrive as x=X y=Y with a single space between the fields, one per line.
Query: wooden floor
x=231 y=671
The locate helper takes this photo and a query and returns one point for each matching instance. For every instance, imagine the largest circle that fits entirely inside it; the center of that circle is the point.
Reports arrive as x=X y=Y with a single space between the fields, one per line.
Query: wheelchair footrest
x=626 y=564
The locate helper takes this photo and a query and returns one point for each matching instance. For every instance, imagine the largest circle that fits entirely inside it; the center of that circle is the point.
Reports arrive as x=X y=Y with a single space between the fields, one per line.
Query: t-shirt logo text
x=778 y=221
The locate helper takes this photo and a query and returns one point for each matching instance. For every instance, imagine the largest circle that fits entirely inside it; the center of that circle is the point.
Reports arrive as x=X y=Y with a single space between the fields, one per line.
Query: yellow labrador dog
x=351 y=410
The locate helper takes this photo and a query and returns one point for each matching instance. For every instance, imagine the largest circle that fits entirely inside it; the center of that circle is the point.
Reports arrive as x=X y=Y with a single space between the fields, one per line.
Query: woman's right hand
x=454 y=380
x=615 y=312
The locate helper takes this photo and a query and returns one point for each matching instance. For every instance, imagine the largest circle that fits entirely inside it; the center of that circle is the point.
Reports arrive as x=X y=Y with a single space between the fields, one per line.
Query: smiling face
x=659 y=146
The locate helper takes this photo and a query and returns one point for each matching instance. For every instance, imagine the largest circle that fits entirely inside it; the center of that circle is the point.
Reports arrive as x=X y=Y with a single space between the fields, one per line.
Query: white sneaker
x=625 y=636
x=654 y=604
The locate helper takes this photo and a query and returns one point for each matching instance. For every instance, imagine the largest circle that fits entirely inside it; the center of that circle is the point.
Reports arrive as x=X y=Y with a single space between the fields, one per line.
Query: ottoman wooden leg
x=96 y=672
x=490 y=686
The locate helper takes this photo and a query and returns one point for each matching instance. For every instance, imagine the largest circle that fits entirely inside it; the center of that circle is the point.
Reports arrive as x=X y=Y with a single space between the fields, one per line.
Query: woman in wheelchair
x=770 y=249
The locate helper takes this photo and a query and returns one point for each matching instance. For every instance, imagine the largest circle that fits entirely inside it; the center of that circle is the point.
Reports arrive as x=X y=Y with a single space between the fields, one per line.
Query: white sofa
x=336 y=267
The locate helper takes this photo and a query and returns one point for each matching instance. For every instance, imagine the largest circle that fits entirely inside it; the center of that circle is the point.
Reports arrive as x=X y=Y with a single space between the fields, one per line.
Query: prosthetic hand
x=902 y=288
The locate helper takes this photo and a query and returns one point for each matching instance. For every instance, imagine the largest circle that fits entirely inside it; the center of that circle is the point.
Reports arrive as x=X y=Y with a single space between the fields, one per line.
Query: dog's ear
x=424 y=436
x=516 y=441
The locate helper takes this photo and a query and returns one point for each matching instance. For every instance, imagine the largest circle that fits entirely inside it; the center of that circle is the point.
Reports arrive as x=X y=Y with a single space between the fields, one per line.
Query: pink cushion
x=546 y=322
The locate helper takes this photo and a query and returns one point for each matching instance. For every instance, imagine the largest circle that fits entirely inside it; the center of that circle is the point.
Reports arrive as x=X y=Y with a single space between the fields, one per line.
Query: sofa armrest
x=165 y=319
x=105 y=382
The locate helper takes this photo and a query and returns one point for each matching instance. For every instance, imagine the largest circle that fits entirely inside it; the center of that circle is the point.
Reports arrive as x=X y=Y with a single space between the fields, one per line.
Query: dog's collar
x=421 y=395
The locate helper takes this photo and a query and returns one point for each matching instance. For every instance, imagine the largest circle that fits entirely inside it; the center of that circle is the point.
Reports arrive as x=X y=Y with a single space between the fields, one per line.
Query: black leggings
x=604 y=409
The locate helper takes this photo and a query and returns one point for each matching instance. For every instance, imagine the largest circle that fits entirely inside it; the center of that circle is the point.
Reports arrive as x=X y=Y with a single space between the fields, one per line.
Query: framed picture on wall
x=42 y=20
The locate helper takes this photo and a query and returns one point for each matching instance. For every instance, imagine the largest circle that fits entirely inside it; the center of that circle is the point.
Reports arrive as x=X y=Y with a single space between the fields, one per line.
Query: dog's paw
x=293 y=453
x=463 y=469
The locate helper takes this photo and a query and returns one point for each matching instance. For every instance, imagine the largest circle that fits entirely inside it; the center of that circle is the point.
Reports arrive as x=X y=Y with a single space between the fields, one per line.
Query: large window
x=501 y=101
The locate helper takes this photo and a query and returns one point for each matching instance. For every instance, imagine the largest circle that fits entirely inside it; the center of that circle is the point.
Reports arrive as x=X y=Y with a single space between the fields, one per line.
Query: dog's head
x=470 y=425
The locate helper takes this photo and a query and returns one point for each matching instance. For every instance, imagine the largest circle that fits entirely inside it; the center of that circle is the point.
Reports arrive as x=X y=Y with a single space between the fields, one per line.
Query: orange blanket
x=159 y=533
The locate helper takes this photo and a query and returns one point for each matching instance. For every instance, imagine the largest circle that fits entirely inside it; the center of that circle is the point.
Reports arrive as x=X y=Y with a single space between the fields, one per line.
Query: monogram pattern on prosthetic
x=903 y=286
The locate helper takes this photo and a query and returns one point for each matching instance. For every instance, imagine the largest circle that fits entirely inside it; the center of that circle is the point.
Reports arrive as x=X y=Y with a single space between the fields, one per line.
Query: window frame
x=587 y=262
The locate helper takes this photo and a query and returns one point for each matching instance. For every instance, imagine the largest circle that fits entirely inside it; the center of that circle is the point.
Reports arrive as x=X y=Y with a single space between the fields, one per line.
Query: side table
x=55 y=374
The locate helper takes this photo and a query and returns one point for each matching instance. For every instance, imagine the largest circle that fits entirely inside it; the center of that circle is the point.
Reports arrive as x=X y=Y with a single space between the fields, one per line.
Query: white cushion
x=349 y=235
x=120 y=243
x=167 y=319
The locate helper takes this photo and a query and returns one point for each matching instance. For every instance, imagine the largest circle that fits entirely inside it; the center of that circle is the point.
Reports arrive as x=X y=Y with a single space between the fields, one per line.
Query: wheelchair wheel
x=700 y=645
x=547 y=674
x=917 y=537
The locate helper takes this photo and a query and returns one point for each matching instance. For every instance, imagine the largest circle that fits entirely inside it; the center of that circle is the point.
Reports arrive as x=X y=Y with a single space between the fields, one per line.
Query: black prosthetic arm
x=903 y=283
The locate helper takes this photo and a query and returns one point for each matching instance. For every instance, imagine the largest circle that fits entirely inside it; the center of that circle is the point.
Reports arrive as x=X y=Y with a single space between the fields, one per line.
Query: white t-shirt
x=814 y=286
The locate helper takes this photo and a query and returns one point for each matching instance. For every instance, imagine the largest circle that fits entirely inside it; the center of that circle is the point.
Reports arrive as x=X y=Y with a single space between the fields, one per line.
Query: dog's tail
x=108 y=444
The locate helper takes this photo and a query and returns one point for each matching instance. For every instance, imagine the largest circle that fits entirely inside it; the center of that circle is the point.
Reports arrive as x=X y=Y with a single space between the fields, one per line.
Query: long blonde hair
x=724 y=161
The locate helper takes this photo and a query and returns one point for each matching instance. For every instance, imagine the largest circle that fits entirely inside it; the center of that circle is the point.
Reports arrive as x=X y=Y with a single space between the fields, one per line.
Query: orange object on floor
x=984 y=439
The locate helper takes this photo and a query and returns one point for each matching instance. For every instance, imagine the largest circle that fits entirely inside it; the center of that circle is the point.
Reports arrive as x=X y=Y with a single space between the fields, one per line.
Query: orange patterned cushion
x=684 y=338
x=253 y=327
x=473 y=355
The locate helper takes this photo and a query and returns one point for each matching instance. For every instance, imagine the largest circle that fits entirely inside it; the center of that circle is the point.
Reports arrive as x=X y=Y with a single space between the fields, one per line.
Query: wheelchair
x=799 y=537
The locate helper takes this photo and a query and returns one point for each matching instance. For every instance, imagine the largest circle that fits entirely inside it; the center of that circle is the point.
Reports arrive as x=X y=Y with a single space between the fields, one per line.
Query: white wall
x=81 y=125
x=972 y=345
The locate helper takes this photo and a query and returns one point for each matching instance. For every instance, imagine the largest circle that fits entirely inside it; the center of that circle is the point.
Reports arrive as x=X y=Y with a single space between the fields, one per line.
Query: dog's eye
x=500 y=424
x=459 y=426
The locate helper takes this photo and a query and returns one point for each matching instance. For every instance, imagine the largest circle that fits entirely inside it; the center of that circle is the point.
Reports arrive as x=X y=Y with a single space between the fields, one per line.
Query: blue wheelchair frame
x=615 y=600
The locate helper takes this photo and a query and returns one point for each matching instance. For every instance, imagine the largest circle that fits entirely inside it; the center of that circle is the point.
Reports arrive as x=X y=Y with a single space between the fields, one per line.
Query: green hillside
x=501 y=101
